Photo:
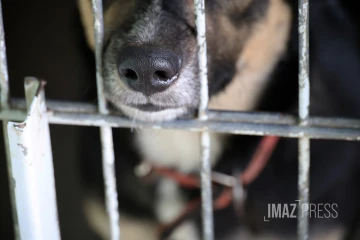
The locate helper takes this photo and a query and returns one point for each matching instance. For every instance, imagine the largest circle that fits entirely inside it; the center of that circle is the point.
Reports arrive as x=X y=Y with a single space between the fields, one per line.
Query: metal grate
x=247 y=123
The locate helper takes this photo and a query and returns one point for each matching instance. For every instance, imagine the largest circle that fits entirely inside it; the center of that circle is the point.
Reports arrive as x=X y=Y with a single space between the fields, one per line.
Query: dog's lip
x=150 y=107
x=191 y=112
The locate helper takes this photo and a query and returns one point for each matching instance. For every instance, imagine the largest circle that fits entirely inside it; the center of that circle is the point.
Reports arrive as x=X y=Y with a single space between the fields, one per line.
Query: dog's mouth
x=153 y=113
x=149 y=107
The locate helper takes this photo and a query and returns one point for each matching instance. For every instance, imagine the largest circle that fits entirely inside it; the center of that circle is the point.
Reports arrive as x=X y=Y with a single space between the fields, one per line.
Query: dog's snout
x=148 y=69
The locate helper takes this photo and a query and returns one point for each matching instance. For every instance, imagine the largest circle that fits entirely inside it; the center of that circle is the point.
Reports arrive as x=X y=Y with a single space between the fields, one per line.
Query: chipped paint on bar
x=32 y=170
x=261 y=124
x=107 y=147
x=108 y=156
x=4 y=77
x=4 y=106
x=206 y=188
x=304 y=83
x=72 y=109
x=304 y=104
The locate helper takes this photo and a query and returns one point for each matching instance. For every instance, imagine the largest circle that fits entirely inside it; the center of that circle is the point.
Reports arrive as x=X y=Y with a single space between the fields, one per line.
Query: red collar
x=232 y=185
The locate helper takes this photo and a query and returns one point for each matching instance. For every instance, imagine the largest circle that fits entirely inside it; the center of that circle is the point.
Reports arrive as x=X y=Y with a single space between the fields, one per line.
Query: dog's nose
x=148 y=70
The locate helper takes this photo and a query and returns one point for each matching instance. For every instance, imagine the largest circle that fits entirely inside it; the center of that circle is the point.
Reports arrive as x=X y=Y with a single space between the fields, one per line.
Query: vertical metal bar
x=4 y=77
x=206 y=190
x=202 y=56
x=4 y=104
x=105 y=132
x=32 y=170
x=304 y=103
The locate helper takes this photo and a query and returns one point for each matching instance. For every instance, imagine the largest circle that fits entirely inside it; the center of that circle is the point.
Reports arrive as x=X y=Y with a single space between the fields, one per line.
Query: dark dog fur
x=253 y=65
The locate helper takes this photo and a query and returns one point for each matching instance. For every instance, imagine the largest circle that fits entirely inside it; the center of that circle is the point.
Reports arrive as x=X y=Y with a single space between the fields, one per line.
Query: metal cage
x=35 y=181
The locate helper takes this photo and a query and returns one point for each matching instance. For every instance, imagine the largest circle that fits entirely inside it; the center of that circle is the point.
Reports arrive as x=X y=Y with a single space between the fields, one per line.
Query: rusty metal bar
x=304 y=104
x=107 y=147
x=206 y=189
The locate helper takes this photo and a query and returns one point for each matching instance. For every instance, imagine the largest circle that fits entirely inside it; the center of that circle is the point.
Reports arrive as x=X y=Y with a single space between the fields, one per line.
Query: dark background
x=45 y=40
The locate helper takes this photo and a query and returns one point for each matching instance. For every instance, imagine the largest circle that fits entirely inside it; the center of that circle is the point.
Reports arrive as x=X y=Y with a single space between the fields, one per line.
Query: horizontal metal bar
x=253 y=117
x=346 y=131
x=57 y=105
x=279 y=118
x=334 y=122
x=292 y=131
x=18 y=106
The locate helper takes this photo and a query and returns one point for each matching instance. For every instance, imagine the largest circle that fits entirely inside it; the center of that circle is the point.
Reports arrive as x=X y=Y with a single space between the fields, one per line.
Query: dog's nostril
x=162 y=76
x=130 y=74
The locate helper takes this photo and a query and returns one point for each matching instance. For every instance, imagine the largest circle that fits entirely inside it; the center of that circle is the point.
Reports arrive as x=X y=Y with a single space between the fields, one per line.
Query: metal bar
x=313 y=122
x=334 y=122
x=304 y=104
x=206 y=189
x=202 y=56
x=253 y=117
x=326 y=128
x=4 y=77
x=18 y=106
x=291 y=131
x=32 y=170
x=107 y=147
x=4 y=105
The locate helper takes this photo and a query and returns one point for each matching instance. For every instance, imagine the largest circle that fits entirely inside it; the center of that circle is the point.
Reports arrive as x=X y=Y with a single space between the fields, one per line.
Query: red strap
x=259 y=160
x=254 y=168
x=186 y=181
x=257 y=164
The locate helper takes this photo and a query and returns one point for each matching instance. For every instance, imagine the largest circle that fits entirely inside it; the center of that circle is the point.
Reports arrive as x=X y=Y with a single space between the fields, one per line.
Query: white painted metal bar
x=265 y=124
x=107 y=147
x=254 y=129
x=32 y=170
x=4 y=77
x=206 y=187
x=4 y=105
x=17 y=113
x=304 y=104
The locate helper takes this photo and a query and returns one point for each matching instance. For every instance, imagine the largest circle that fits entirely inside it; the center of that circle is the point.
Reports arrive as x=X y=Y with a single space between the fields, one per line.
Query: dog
x=151 y=74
